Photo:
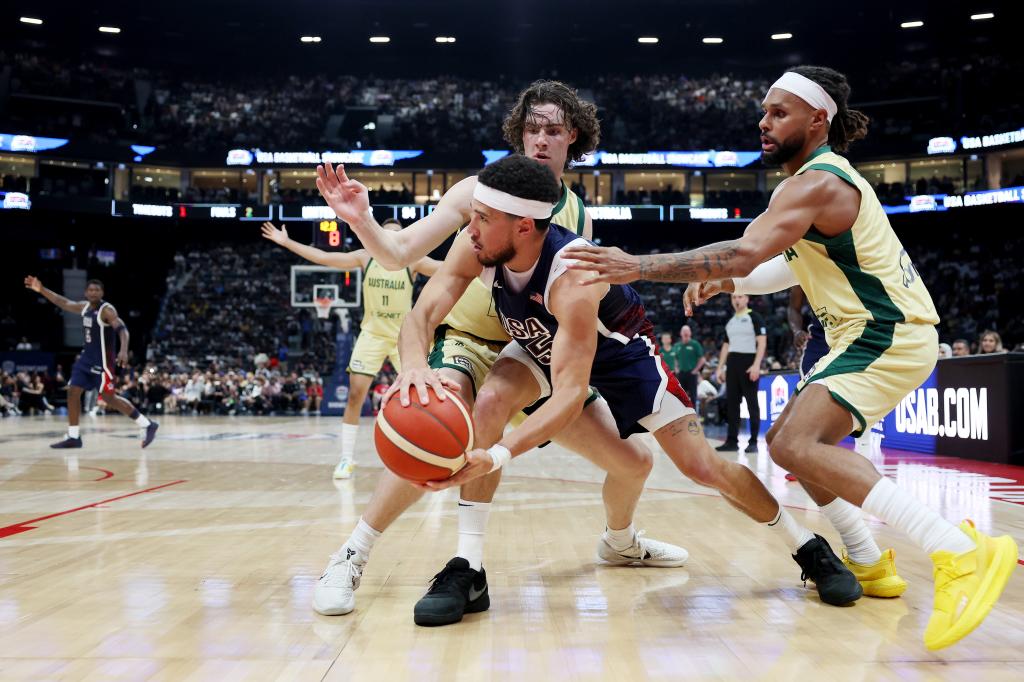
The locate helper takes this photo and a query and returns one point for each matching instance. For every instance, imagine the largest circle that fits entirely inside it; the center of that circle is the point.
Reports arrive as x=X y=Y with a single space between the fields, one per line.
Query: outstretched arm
x=426 y=266
x=436 y=300
x=332 y=259
x=789 y=215
x=394 y=250
x=65 y=304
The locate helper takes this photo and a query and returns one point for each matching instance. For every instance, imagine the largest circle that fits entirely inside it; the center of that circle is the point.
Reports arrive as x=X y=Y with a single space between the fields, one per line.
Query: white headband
x=807 y=90
x=503 y=201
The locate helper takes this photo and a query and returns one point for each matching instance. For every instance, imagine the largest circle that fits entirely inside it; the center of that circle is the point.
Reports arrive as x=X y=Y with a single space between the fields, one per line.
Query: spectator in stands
x=945 y=351
x=990 y=343
x=961 y=348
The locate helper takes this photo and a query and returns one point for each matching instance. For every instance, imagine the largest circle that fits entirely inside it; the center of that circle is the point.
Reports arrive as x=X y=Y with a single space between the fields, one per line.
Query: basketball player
x=566 y=336
x=387 y=297
x=838 y=245
x=875 y=570
x=95 y=367
x=551 y=124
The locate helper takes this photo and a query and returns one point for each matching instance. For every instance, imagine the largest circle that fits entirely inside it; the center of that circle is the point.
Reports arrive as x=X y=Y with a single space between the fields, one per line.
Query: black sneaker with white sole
x=455 y=591
x=835 y=583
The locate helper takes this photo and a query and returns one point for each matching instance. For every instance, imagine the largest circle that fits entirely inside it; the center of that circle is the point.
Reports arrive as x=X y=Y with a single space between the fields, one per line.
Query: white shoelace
x=336 y=576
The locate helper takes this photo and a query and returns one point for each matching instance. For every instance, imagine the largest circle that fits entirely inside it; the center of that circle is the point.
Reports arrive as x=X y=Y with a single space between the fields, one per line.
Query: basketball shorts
x=871 y=367
x=370 y=352
x=642 y=394
x=465 y=353
x=91 y=378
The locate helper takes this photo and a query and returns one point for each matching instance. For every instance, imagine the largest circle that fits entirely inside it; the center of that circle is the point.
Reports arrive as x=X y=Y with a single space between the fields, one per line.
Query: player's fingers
x=421 y=390
x=329 y=175
x=403 y=393
x=342 y=176
x=435 y=383
x=448 y=384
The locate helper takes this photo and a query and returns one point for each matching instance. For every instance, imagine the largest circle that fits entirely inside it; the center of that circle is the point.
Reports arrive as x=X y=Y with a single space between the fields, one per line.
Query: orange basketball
x=424 y=442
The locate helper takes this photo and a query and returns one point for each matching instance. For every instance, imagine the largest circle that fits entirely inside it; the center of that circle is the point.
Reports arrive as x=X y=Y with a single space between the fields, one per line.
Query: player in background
x=96 y=366
x=387 y=297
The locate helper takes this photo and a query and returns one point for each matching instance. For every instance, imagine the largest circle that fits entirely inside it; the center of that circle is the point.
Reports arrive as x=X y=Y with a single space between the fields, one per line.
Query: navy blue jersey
x=627 y=369
x=100 y=340
x=816 y=348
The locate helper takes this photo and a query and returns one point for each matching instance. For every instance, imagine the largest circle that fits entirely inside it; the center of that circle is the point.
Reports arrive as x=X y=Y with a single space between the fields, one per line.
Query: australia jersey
x=626 y=369
x=387 y=298
x=862 y=275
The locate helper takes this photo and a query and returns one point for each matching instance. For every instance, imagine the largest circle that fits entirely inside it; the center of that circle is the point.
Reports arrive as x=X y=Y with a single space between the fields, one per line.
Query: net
x=323 y=307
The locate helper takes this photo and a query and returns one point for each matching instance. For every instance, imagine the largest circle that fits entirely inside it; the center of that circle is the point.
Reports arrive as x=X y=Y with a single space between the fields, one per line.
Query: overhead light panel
x=380 y=39
x=109 y=29
x=444 y=39
x=974 y=17
x=713 y=41
x=912 y=24
x=647 y=40
x=781 y=36
x=310 y=39
x=31 y=20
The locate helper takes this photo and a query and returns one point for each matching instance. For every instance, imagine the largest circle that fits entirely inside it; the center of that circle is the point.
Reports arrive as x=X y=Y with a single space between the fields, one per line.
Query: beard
x=785 y=150
x=507 y=253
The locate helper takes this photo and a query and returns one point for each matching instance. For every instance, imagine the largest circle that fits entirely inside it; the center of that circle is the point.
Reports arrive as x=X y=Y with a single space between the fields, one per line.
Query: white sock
x=362 y=539
x=472 y=524
x=926 y=529
x=620 y=540
x=142 y=420
x=849 y=522
x=796 y=535
x=73 y=432
x=348 y=440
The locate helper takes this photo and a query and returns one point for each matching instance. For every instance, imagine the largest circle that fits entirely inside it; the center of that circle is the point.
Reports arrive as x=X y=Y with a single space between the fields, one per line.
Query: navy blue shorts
x=815 y=350
x=88 y=377
x=642 y=394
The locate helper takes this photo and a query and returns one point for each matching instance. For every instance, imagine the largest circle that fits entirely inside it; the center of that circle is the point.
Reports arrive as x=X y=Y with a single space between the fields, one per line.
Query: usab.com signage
x=363 y=157
x=678 y=159
x=968 y=407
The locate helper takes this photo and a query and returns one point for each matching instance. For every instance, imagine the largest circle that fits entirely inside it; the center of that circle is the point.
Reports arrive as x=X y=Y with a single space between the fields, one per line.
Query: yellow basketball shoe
x=968 y=585
x=879 y=579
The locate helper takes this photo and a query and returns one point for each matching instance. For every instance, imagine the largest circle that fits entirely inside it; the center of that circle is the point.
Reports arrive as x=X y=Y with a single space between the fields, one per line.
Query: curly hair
x=848 y=125
x=580 y=115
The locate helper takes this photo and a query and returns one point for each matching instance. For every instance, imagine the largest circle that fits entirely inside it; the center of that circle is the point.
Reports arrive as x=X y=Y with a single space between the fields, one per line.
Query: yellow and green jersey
x=863 y=274
x=387 y=297
x=474 y=312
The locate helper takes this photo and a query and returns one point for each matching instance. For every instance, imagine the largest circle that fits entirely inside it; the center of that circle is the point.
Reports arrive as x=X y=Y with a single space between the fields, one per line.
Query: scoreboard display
x=407 y=213
x=328 y=235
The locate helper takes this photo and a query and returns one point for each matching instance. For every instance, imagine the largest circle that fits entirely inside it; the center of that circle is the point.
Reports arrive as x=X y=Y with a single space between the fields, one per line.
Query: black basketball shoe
x=835 y=583
x=455 y=591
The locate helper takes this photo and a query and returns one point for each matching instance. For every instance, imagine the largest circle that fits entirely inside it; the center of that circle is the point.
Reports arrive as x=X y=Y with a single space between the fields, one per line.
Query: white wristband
x=501 y=456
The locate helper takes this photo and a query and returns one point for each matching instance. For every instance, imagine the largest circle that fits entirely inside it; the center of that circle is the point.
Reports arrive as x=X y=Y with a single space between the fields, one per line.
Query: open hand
x=421 y=378
x=349 y=198
x=609 y=264
x=278 y=236
x=33 y=283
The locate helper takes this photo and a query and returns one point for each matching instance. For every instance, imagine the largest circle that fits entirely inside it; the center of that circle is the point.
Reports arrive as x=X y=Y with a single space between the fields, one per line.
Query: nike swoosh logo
x=497 y=286
x=474 y=593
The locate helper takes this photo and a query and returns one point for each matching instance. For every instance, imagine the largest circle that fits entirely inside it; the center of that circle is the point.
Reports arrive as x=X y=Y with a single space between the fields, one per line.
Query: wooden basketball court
x=196 y=560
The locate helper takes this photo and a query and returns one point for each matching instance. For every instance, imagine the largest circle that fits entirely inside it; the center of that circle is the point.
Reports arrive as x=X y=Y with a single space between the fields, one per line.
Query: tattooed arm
x=818 y=198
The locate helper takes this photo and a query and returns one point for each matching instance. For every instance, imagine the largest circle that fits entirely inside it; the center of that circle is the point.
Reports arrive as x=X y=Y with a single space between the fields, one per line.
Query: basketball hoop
x=323 y=307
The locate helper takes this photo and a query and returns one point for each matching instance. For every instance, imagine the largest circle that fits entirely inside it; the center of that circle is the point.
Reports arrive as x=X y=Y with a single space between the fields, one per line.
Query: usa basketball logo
x=780 y=396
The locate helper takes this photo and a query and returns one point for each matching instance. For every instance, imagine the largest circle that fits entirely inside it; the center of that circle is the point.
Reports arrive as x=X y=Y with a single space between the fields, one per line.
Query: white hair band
x=503 y=201
x=807 y=90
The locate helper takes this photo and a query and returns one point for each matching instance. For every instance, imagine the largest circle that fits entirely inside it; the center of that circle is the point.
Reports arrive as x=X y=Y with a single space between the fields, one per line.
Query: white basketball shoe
x=334 y=594
x=345 y=468
x=643 y=552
